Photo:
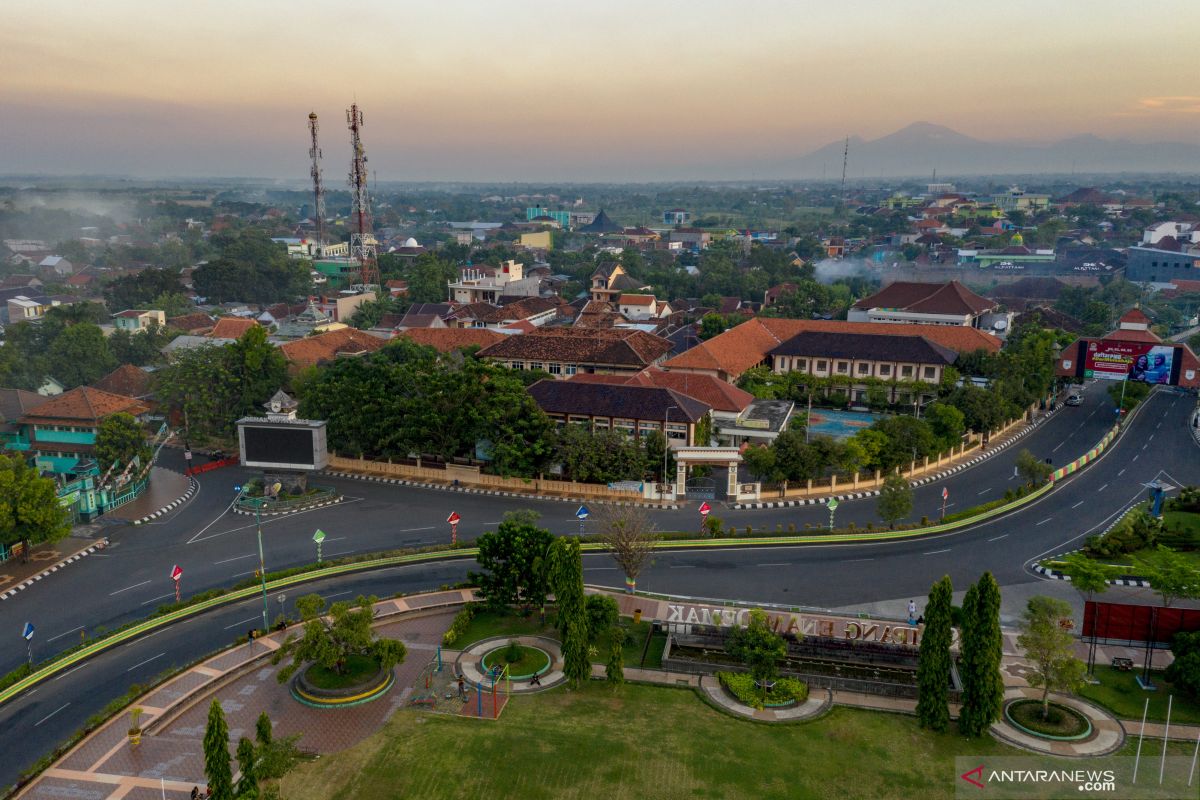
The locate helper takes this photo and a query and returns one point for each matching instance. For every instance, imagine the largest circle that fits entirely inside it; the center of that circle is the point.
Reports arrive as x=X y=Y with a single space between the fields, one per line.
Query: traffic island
x=483 y=663
x=523 y=662
x=1081 y=729
x=1053 y=721
x=362 y=681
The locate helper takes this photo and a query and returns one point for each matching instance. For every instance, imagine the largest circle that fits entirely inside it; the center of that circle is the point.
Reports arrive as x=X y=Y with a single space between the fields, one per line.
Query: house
x=127 y=381
x=232 y=327
x=642 y=307
x=25 y=309
x=566 y=351
x=14 y=404
x=56 y=265
x=63 y=429
x=1132 y=338
x=446 y=340
x=485 y=284
x=313 y=351
x=1179 y=231
x=396 y=288
x=694 y=239
x=537 y=311
x=21 y=281
x=632 y=410
x=136 y=320
x=600 y=224
x=425 y=315
x=775 y=293
x=197 y=323
x=676 y=216
x=926 y=304
x=1164 y=263
x=728 y=355
x=863 y=357
x=610 y=281
x=537 y=240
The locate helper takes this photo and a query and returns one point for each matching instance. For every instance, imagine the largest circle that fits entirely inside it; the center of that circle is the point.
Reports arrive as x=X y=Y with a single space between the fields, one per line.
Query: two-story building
x=926 y=304
x=610 y=281
x=137 y=320
x=860 y=358
x=642 y=307
x=536 y=311
x=485 y=284
x=15 y=404
x=566 y=351
x=62 y=431
x=633 y=410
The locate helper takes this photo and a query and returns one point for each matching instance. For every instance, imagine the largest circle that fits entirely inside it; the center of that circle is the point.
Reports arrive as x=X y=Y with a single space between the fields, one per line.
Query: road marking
x=1145 y=446
x=1047 y=519
x=336 y=539
x=599 y=569
x=52 y=638
x=935 y=552
x=51 y=714
x=1159 y=425
x=985 y=491
x=338 y=594
x=1135 y=458
x=247 y=572
x=286 y=517
x=1077 y=505
x=127 y=588
x=143 y=663
x=1122 y=472
x=851 y=561
x=68 y=672
x=782 y=564
x=156 y=599
x=411 y=530
x=1060 y=444
x=998 y=538
x=235 y=558
x=683 y=566
x=1101 y=489
x=243 y=622
x=338 y=552
x=1151 y=439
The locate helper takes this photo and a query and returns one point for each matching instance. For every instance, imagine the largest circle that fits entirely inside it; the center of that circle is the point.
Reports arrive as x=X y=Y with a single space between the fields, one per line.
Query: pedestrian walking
x=912 y=613
x=535 y=680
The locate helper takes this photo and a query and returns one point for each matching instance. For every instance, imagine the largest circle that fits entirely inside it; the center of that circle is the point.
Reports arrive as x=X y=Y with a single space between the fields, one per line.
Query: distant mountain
x=922 y=147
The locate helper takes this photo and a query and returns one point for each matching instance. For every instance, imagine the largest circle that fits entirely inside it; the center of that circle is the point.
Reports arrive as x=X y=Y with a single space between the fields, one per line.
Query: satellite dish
x=275 y=487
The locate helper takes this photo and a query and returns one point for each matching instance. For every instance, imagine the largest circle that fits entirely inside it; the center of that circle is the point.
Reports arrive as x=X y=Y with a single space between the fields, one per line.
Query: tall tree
x=247 y=785
x=1171 y=574
x=252 y=269
x=982 y=649
x=895 y=499
x=29 y=509
x=630 y=535
x=331 y=637
x=79 y=355
x=257 y=367
x=120 y=439
x=1048 y=644
x=513 y=561
x=933 y=664
x=566 y=579
x=758 y=647
x=216 y=754
x=1090 y=578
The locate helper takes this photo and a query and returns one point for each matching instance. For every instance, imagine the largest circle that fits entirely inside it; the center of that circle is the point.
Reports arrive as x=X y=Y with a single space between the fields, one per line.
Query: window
x=648 y=427
x=624 y=426
x=802 y=364
x=676 y=431
x=535 y=366
x=843 y=367
x=864 y=368
x=601 y=424
x=822 y=366
x=906 y=372
x=516 y=365
x=555 y=369
x=885 y=370
x=570 y=369
x=929 y=373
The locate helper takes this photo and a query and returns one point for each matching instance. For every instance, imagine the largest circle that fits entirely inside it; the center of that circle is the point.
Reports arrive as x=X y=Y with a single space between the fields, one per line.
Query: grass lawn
x=357 y=670
x=643 y=741
x=1127 y=559
x=529 y=660
x=486 y=624
x=632 y=648
x=1118 y=692
x=1184 y=521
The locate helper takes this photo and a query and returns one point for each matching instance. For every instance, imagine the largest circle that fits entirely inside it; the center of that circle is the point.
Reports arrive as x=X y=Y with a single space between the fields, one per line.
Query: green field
x=1119 y=693
x=486 y=624
x=643 y=742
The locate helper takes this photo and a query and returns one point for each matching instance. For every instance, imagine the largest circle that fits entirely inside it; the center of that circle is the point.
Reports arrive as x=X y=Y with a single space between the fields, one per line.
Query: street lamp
x=262 y=567
x=666 y=449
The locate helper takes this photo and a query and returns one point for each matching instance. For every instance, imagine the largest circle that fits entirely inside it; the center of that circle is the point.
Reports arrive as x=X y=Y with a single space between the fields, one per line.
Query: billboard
x=282 y=445
x=1144 y=362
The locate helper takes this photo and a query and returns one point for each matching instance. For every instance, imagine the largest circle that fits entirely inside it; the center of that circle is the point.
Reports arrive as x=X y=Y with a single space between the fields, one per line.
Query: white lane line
x=338 y=594
x=598 y=569
x=143 y=663
x=156 y=599
x=127 y=588
x=985 y=491
x=781 y=564
x=997 y=538
x=683 y=566
x=1102 y=488
x=68 y=672
x=51 y=714
x=1077 y=505
x=338 y=552
x=243 y=622
x=935 y=552
x=285 y=518
x=1122 y=472
x=1159 y=425
x=336 y=539
x=1151 y=439
x=410 y=530
x=1135 y=458
x=235 y=558
x=1144 y=446
x=52 y=638
x=1060 y=444
x=247 y=572
x=1047 y=519
x=852 y=560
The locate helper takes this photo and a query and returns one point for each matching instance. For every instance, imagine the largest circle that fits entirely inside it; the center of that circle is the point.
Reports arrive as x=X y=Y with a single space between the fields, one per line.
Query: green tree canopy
x=80 y=355
x=29 y=507
x=895 y=499
x=331 y=636
x=252 y=269
x=119 y=439
x=933 y=663
x=514 y=562
x=216 y=754
x=757 y=646
x=982 y=649
x=1049 y=646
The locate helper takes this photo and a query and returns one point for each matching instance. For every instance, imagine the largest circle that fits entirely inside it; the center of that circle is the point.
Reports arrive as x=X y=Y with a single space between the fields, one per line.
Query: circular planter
x=1080 y=718
x=493 y=657
x=374 y=687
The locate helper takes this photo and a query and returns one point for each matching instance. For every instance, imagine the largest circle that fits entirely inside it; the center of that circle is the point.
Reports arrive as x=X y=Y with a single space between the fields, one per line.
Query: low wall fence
x=231 y=461
x=458 y=474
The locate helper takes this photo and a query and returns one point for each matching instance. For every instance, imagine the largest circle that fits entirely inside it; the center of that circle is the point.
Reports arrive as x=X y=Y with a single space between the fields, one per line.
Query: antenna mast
x=314 y=152
x=362 y=242
x=845 y=161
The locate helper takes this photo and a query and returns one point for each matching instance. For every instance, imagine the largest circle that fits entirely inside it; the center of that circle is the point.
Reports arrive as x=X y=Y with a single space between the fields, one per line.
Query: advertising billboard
x=1145 y=362
x=282 y=445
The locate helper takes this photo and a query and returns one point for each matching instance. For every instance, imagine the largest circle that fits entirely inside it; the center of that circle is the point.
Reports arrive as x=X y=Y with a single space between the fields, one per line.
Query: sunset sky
x=611 y=90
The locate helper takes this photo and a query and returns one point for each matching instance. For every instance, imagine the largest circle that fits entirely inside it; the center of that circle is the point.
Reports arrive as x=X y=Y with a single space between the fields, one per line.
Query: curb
x=183 y=498
x=100 y=545
x=495 y=492
x=296 y=510
x=820 y=501
x=1055 y=575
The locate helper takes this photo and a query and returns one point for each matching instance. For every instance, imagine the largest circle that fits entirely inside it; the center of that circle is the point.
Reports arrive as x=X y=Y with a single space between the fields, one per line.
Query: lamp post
x=666 y=449
x=262 y=567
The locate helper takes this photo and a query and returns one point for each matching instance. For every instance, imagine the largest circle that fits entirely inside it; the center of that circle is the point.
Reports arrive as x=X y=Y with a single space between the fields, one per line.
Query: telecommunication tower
x=362 y=241
x=845 y=162
x=314 y=152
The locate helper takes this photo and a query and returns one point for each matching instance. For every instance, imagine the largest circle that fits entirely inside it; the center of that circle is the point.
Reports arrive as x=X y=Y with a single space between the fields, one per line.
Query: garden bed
x=523 y=661
x=1063 y=723
x=783 y=693
x=359 y=670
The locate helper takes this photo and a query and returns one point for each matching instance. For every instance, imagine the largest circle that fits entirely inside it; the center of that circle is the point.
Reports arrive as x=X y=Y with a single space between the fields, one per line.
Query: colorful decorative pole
x=176 y=575
x=319 y=537
x=704 y=509
x=630 y=585
x=832 y=505
x=945 y=496
x=453 y=519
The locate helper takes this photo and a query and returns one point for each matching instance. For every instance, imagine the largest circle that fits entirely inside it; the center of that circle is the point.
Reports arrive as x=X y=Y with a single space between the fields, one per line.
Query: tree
x=258 y=369
x=758 y=647
x=566 y=579
x=1184 y=671
x=1034 y=470
x=119 y=440
x=427 y=278
x=1170 y=573
x=248 y=783
x=139 y=348
x=331 y=641
x=216 y=754
x=262 y=730
x=29 y=509
x=602 y=615
x=513 y=560
x=1090 y=578
x=908 y=439
x=947 y=423
x=138 y=291
x=79 y=355
x=252 y=269
x=630 y=536
x=933 y=661
x=895 y=499
x=982 y=648
x=1048 y=644
x=614 y=670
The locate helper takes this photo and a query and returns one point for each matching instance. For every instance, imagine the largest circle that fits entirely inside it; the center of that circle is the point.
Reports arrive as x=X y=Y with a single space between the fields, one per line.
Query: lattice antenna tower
x=314 y=152
x=845 y=162
x=362 y=242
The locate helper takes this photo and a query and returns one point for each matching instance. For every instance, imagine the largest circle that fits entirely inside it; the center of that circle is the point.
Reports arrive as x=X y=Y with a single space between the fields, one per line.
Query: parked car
x=1075 y=399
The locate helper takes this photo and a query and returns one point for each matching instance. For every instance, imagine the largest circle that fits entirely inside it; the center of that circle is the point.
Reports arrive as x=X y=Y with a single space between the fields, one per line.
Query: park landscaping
x=1119 y=692
x=1054 y=721
x=357 y=670
x=522 y=661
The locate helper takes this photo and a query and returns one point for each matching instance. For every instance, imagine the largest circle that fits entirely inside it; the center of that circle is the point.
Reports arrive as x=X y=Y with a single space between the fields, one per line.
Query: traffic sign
x=832 y=504
x=704 y=509
x=176 y=573
x=945 y=493
x=27 y=631
x=454 y=518
x=237 y=488
x=319 y=536
x=582 y=513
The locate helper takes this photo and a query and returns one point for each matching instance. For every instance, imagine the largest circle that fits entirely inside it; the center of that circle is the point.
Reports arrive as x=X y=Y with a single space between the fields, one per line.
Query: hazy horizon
x=621 y=91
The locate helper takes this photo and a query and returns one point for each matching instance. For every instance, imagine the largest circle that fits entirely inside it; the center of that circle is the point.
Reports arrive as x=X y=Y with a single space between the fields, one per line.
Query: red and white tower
x=314 y=152
x=362 y=240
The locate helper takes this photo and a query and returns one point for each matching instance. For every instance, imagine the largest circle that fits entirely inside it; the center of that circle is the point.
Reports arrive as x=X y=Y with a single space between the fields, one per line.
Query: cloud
x=1165 y=105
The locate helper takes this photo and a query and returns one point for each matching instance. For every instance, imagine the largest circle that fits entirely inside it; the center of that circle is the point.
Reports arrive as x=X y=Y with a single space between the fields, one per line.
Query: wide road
x=1157 y=445
x=217 y=548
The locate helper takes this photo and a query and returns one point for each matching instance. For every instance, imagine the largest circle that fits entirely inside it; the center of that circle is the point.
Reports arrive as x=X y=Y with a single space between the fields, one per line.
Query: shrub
x=1136 y=531
x=741 y=685
x=1184 y=671
x=461 y=620
x=602 y=615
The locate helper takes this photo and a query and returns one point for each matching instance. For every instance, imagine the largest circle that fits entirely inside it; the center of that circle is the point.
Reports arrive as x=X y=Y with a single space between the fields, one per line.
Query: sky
x=603 y=90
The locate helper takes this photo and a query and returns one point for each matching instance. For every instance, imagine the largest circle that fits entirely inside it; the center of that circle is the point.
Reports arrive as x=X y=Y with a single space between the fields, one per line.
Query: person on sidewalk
x=535 y=680
x=912 y=613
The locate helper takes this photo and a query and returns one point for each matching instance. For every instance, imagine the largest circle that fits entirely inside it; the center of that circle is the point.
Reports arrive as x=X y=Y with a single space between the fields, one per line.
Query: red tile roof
x=927 y=298
x=126 y=380
x=714 y=392
x=191 y=323
x=636 y=300
x=313 y=350
x=1135 y=315
x=232 y=327
x=607 y=347
x=446 y=339
x=84 y=404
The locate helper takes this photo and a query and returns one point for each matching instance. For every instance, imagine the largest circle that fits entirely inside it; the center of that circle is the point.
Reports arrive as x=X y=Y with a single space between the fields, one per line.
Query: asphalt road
x=216 y=549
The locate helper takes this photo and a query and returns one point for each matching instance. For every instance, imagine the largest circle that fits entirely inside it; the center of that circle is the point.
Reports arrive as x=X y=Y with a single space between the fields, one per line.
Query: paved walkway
x=468 y=664
x=165 y=487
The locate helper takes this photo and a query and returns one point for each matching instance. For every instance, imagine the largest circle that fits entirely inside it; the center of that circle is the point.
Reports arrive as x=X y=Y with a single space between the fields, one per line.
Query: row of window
x=629 y=427
x=861 y=369
x=553 y=367
x=65 y=428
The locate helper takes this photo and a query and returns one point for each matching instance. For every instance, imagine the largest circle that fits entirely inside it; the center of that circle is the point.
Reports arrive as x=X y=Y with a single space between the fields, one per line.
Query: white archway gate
x=729 y=457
